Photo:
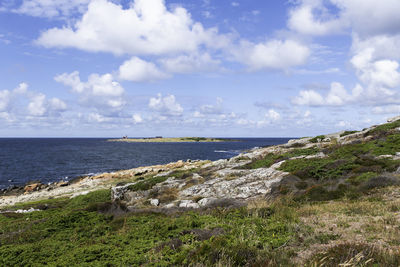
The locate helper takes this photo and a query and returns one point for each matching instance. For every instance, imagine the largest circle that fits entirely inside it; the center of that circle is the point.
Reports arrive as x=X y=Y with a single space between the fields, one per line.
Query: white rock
x=186 y=203
x=154 y=202
x=206 y=201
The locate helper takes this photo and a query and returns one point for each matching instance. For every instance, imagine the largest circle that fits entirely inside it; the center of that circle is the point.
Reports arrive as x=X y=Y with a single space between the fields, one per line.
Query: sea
x=54 y=159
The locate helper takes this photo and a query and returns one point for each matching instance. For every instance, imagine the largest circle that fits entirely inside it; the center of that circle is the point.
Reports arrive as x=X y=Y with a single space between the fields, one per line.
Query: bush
x=315 y=139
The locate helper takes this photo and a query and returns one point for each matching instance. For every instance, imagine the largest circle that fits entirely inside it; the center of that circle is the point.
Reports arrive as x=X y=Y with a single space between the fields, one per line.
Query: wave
x=228 y=151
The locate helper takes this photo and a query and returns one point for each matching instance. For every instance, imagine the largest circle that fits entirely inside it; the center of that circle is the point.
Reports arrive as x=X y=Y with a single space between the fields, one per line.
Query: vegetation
x=317 y=138
x=147 y=183
x=270 y=159
x=172 y=140
x=337 y=210
x=347 y=133
x=83 y=230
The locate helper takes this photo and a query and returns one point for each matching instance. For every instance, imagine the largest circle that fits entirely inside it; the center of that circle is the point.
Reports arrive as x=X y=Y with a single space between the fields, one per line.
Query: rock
x=206 y=201
x=188 y=204
x=32 y=187
x=62 y=183
x=394 y=119
x=154 y=202
x=327 y=139
x=384 y=157
x=398 y=170
x=170 y=205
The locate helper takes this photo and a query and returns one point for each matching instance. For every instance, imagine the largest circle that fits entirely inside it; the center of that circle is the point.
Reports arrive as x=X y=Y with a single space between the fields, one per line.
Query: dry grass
x=372 y=220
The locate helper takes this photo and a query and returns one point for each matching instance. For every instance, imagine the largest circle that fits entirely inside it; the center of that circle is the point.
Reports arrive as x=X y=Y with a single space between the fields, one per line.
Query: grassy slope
x=343 y=210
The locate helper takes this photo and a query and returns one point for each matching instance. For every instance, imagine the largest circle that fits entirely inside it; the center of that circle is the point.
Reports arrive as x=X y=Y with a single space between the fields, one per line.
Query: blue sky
x=251 y=68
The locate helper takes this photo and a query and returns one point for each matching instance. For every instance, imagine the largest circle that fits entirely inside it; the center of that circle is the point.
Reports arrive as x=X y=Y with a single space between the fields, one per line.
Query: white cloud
x=138 y=70
x=198 y=114
x=37 y=105
x=368 y=18
x=376 y=69
x=337 y=96
x=166 y=105
x=302 y=19
x=273 y=115
x=6 y=116
x=212 y=109
x=21 y=89
x=391 y=109
x=57 y=104
x=308 y=97
x=40 y=106
x=100 y=90
x=364 y=17
x=146 y=28
x=52 y=9
x=195 y=62
x=4 y=99
x=272 y=54
x=137 y=118
x=97 y=118
x=235 y=4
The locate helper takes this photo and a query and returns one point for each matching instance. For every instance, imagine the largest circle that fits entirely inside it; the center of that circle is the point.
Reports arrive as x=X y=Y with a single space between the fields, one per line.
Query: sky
x=218 y=68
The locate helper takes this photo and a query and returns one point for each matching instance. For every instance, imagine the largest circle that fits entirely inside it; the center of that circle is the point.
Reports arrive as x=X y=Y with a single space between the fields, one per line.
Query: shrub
x=347 y=133
x=147 y=184
x=315 y=139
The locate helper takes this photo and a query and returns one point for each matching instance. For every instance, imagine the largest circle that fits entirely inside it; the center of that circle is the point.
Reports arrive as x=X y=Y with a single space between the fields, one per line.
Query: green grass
x=384 y=128
x=347 y=133
x=74 y=232
x=351 y=166
x=147 y=183
x=270 y=159
x=315 y=139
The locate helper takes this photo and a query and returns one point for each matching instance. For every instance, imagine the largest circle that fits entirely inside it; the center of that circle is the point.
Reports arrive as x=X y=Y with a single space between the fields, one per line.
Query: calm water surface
x=54 y=159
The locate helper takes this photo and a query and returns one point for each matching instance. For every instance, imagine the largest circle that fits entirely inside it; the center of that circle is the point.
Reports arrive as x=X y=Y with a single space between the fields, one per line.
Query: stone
x=170 y=205
x=398 y=170
x=188 y=204
x=206 y=201
x=32 y=187
x=62 y=183
x=394 y=119
x=154 y=202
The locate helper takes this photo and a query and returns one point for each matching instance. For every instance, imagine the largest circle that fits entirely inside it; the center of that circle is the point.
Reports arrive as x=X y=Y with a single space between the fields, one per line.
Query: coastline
x=238 y=177
x=171 y=140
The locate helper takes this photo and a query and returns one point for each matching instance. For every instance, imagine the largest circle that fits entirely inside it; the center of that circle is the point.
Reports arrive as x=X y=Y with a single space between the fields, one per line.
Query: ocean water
x=55 y=159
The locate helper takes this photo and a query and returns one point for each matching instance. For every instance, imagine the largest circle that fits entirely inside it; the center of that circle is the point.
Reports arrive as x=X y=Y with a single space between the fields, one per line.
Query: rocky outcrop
x=194 y=184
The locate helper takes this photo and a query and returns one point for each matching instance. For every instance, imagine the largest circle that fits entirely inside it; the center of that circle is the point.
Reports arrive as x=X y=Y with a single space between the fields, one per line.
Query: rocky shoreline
x=192 y=184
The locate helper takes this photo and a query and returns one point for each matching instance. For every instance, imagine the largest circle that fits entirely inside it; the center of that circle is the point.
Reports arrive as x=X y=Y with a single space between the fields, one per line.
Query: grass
x=384 y=128
x=317 y=138
x=74 y=231
x=147 y=183
x=270 y=159
x=347 y=133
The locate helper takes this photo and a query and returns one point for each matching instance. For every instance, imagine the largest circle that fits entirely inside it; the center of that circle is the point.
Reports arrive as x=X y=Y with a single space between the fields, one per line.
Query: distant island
x=159 y=139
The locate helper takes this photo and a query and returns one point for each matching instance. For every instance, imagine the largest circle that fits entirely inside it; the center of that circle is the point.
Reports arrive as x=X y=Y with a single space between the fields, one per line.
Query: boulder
x=32 y=187
x=154 y=202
